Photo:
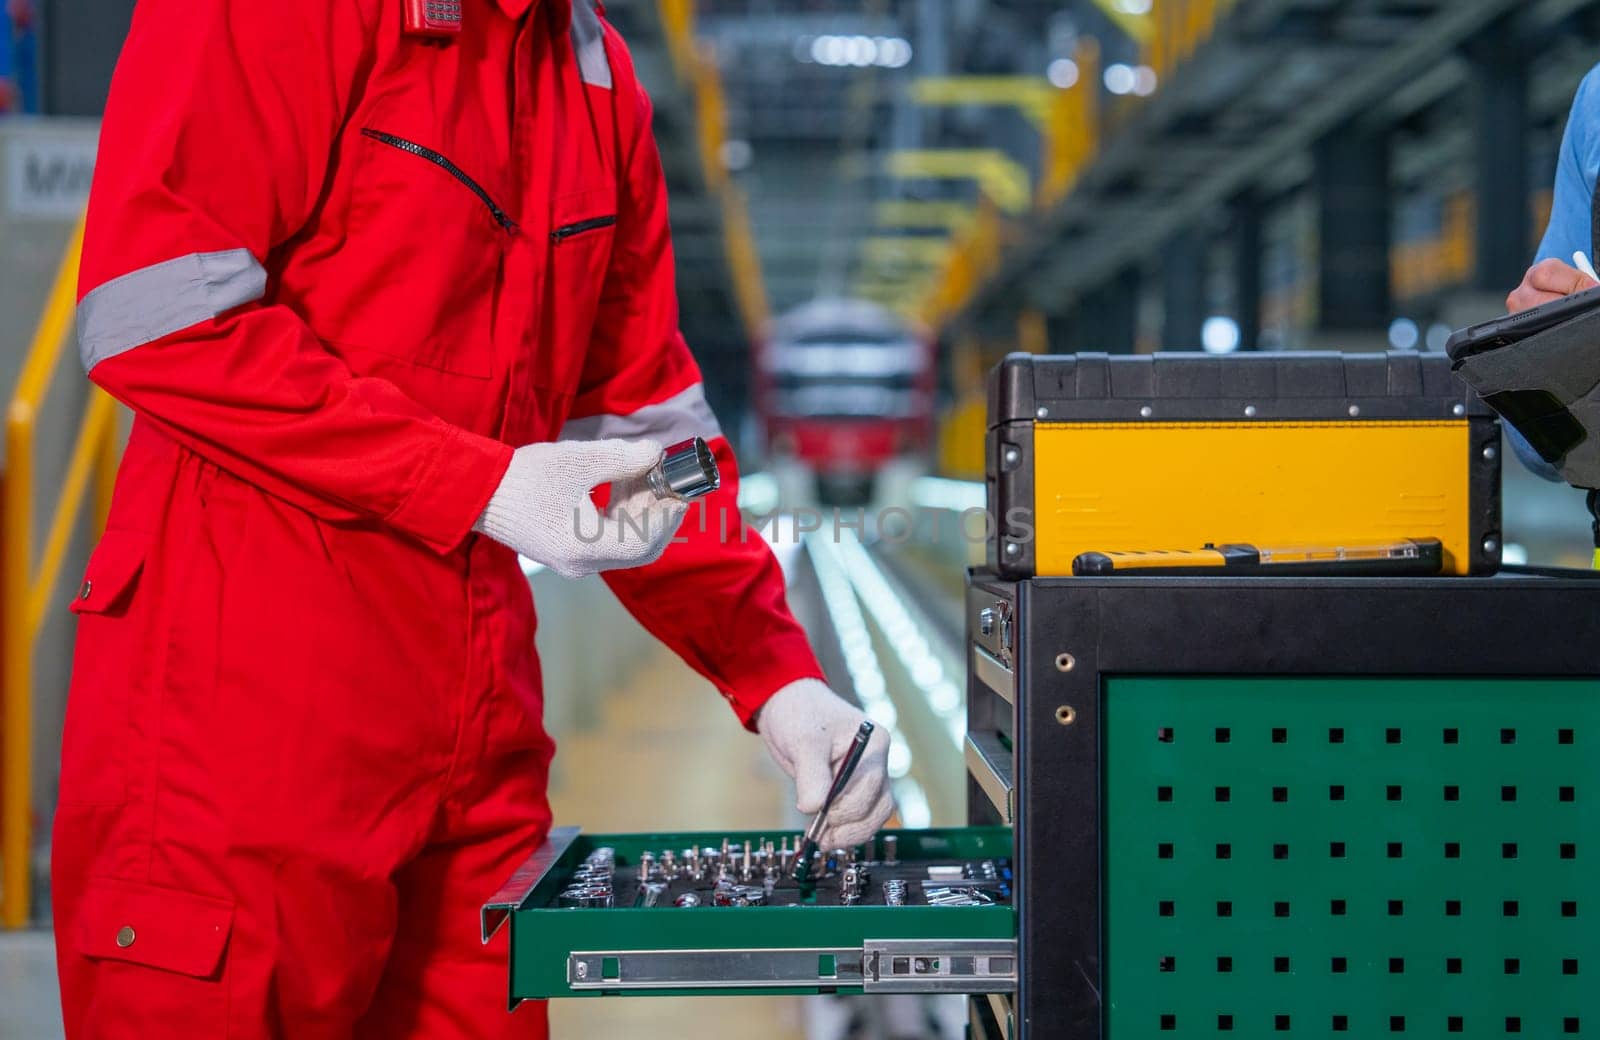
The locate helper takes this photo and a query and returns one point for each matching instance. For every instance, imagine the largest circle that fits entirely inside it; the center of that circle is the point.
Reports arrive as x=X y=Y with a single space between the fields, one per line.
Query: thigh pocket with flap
x=107 y=664
x=160 y=953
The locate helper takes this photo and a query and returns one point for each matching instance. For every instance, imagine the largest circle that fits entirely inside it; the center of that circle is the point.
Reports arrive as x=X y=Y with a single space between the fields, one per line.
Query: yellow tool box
x=1176 y=453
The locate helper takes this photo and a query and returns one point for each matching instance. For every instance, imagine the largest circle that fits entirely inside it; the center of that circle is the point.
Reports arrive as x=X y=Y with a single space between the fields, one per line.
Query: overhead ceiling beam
x=1001 y=177
x=1433 y=40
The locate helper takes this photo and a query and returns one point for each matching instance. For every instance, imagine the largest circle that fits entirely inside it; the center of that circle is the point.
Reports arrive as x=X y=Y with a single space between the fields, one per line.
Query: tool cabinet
x=1274 y=807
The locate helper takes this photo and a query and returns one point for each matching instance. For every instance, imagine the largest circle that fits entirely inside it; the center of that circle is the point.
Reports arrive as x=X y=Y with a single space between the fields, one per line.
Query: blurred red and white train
x=844 y=388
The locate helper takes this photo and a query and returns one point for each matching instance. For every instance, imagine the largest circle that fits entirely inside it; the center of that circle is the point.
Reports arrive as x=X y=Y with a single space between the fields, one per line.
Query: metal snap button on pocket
x=85 y=589
x=125 y=936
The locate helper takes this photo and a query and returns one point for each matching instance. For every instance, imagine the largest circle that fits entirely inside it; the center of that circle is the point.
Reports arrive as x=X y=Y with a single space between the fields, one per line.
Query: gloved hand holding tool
x=542 y=507
x=819 y=823
x=808 y=730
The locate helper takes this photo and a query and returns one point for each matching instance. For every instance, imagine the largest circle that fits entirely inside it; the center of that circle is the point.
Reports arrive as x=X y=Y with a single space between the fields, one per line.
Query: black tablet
x=1514 y=328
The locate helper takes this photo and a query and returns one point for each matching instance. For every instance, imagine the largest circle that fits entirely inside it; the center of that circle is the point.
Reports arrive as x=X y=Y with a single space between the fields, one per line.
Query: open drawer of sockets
x=912 y=911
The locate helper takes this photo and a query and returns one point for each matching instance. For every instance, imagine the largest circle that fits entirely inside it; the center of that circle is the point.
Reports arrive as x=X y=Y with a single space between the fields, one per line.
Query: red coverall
x=337 y=272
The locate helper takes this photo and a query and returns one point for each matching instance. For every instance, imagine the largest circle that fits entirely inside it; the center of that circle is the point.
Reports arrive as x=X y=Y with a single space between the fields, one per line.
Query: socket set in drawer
x=910 y=911
x=738 y=873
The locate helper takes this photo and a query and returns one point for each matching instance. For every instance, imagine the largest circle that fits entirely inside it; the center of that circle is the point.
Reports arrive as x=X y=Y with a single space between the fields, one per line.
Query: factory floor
x=29 y=1007
x=665 y=754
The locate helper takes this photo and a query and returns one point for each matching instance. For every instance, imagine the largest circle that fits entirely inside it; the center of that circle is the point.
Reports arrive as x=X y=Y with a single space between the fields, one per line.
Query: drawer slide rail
x=878 y=966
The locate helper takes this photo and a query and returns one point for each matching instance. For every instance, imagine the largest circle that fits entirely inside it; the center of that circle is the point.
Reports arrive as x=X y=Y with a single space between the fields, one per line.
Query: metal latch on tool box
x=879 y=966
x=997 y=619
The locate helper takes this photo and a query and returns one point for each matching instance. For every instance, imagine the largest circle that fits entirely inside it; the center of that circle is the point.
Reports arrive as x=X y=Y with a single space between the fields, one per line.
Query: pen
x=847 y=768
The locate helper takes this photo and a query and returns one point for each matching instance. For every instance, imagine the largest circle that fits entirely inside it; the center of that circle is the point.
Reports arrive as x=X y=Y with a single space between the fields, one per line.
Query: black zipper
x=592 y=224
x=421 y=152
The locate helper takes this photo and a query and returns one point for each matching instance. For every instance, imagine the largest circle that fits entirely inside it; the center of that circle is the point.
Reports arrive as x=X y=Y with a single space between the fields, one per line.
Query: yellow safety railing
x=749 y=289
x=28 y=586
x=1446 y=258
x=677 y=19
x=1180 y=28
x=962 y=428
x=711 y=122
x=1076 y=125
x=974 y=256
x=699 y=73
x=1072 y=137
x=1425 y=265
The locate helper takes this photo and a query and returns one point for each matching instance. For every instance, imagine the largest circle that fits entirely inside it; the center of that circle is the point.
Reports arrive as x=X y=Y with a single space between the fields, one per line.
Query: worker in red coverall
x=387 y=306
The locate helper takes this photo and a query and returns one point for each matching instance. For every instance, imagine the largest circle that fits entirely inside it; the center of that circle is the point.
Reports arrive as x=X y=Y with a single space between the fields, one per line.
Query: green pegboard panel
x=1351 y=857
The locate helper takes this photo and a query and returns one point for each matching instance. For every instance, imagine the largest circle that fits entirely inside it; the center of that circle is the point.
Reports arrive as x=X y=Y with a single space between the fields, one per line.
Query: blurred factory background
x=872 y=202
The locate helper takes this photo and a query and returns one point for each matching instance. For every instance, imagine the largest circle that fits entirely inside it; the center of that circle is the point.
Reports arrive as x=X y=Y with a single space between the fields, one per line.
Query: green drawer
x=794 y=949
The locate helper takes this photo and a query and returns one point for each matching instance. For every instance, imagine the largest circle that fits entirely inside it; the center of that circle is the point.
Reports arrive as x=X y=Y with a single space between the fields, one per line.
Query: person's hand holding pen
x=1550 y=280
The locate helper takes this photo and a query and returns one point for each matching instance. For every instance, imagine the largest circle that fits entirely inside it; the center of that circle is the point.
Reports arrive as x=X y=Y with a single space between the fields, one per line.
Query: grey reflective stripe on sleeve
x=679 y=417
x=589 y=44
x=144 y=305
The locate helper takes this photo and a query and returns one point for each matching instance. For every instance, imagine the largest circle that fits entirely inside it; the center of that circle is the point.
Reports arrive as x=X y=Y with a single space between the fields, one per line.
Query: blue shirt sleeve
x=1571 y=228
x=1571 y=210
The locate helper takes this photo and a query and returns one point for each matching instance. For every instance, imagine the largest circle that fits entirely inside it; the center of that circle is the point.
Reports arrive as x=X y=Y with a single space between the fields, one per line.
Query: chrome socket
x=687 y=470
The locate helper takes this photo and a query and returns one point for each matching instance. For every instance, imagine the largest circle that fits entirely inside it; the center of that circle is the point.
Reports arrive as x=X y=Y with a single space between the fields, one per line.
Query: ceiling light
x=1120 y=79
x=1219 y=335
x=1404 y=334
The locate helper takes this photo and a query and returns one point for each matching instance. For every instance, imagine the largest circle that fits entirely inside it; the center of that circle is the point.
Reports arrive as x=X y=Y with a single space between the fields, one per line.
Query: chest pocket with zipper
x=430 y=223
x=583 y=230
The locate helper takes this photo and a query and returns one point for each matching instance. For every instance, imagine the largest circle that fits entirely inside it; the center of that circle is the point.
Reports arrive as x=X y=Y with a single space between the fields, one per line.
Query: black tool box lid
x=1296 y=385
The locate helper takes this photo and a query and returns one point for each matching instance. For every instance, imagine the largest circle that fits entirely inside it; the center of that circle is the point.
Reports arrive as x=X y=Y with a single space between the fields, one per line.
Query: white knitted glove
x=542 y=507
x=808 y=728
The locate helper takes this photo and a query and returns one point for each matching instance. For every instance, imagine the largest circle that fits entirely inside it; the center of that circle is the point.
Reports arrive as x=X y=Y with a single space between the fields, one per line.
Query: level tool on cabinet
x=1408 y=556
